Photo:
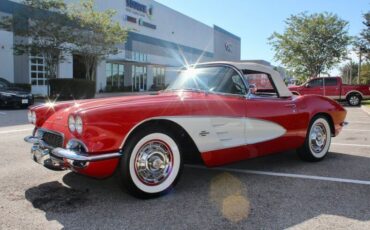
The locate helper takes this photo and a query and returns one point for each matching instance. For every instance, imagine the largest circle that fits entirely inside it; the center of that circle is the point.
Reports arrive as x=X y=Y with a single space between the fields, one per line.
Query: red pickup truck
x=333 y=87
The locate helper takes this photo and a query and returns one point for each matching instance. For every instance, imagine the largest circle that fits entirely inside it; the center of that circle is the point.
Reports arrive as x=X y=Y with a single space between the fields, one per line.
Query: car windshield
x=3 y=85
x=212 y=79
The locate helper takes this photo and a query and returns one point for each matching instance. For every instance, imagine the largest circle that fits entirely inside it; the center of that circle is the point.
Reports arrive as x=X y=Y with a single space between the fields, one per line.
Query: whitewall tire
x=151 y=164
x=317 y=141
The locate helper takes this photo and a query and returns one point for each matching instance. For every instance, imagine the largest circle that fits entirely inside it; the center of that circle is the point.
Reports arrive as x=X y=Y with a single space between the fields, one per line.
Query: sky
x=255 y=21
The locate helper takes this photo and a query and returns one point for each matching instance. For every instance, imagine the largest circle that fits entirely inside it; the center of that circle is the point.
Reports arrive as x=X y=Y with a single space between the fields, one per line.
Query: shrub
x=110 y=89
x=66 y=88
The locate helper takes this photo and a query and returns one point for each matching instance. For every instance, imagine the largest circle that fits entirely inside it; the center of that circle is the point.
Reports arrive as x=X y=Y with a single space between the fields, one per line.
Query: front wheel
x=151 y=164
x=317 y=141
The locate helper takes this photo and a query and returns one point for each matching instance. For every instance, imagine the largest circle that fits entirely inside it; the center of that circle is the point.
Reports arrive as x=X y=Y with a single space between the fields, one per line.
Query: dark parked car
x=13 y=96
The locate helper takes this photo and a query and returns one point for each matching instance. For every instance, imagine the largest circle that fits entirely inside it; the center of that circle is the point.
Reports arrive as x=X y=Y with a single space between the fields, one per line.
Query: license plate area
x=24 y=101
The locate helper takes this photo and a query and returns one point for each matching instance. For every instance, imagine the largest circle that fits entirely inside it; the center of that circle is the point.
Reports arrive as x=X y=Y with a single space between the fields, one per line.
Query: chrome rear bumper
x=62 y=159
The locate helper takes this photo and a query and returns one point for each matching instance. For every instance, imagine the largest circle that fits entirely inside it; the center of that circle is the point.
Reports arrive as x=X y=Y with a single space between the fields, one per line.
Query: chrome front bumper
x=62 y=159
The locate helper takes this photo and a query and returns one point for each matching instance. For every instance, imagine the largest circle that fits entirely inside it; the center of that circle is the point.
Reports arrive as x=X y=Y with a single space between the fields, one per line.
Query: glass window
x=262 y=82
x=3 y=85
x=212 y=79
x=158 y=78
x=330 y=81
x=139 y=78
x=315 y=82
x=38 y=70
x=115 y=76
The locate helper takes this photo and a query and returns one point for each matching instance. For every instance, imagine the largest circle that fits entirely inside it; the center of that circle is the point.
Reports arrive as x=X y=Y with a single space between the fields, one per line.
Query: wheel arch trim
x=152 y=119
x=353 y=91
x=330 y=120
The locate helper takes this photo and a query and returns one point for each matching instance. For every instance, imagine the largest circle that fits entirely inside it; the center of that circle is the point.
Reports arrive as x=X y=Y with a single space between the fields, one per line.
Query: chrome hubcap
x=354 y=100
x=153 y=162
x=318 y=137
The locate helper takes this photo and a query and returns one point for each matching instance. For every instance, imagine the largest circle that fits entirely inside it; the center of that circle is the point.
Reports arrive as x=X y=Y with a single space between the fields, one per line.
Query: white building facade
x=160 y=41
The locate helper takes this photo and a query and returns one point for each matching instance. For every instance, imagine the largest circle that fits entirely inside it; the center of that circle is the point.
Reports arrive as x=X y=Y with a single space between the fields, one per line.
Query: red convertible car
x=218 y=112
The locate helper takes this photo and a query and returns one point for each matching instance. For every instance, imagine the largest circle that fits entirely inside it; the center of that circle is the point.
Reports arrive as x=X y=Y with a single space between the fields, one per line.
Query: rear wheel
x=317 y=141
x=354 y=99
x=151 y=164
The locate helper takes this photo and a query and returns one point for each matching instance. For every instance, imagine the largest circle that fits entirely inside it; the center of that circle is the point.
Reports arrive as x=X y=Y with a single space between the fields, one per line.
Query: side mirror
x=252 y=88
x=307 y=85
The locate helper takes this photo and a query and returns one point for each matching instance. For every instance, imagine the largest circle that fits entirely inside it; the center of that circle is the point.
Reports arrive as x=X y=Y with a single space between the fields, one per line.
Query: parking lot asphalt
x=273 y=192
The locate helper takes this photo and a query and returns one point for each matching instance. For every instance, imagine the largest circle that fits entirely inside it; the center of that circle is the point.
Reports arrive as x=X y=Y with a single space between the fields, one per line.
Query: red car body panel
x=108 y=122
x=337 y=90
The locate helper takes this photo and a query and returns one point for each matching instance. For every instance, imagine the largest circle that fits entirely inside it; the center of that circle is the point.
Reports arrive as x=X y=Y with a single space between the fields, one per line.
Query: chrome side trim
x=73 y=155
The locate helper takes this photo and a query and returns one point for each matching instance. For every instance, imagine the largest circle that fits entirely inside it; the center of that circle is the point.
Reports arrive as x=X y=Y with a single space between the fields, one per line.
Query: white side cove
x=214 y=133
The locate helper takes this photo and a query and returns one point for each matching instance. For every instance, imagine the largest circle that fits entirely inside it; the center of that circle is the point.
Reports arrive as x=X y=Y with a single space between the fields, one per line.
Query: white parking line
x=358 y=122
x=357 y=130
x=266 y=173
x=354 y=145
x=15 y=131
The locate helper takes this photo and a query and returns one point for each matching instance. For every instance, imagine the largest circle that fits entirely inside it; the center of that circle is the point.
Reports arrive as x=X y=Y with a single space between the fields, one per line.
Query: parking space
x=273 y=192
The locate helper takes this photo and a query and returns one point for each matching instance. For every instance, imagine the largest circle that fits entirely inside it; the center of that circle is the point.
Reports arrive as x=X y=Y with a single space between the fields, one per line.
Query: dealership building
x=160 y=41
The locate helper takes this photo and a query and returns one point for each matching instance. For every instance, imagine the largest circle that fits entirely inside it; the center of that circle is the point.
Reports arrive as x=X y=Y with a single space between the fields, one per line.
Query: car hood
x=101 y=103
x=62 y=110
x=58 y=113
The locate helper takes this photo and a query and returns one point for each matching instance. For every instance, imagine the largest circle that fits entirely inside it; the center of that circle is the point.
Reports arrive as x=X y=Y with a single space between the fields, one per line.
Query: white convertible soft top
x=275 y=76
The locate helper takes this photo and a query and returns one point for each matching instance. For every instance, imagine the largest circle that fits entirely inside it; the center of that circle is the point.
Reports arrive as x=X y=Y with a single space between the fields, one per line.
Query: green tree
x=311 y=44
x=44 y=31
x=97 y=35
x=362 y=43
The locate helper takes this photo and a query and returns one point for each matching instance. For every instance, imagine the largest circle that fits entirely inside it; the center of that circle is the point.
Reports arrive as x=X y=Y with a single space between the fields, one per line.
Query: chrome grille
x=53 y=139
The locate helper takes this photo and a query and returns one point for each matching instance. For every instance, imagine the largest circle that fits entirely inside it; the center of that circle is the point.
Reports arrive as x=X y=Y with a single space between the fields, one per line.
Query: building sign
x=228 y=47
x=139 y=8
x=136 y=6
x=140 y=13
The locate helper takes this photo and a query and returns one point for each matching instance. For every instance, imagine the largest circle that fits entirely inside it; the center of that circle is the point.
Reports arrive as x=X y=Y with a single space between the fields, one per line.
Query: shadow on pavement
x=210 y=199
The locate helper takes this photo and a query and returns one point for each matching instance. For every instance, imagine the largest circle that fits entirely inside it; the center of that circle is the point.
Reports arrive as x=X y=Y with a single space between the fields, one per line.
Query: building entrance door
x=139 y=78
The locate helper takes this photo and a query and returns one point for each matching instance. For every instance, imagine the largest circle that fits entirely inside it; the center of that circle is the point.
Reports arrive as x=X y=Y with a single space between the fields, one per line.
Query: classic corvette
x=218 y=112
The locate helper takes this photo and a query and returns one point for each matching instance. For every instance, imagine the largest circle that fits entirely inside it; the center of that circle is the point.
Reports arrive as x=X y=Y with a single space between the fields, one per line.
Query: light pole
x=350 y=73
x=359 y=66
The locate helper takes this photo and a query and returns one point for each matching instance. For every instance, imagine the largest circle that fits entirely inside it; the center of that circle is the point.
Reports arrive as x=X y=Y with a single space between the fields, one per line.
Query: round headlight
x=71 y=123
x=34 y=118
x=29 y=116
x=79 y=125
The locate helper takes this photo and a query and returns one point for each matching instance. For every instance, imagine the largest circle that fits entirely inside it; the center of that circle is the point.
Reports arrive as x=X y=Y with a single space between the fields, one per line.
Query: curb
x=366 y=109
